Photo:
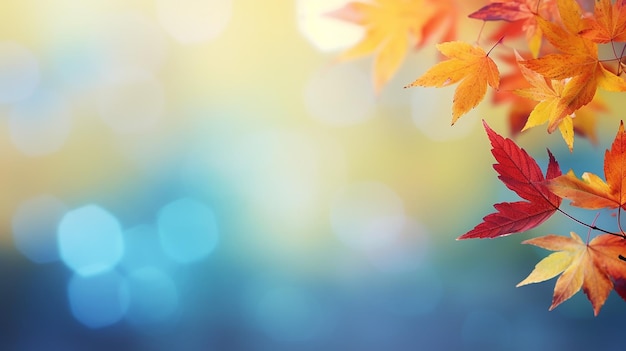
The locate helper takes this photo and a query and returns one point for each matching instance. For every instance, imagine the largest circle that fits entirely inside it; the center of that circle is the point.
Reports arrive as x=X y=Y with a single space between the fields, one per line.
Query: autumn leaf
x=516 y=88
x=444 y=17
x=520 y=173
x=511 y=10
x=577 y=64
x=584 y=124
x=590 y=191
x=470 y=66
x=520 y=17
x=608 y=22
x=594 y=267
x=550 y=107
x=391 y=26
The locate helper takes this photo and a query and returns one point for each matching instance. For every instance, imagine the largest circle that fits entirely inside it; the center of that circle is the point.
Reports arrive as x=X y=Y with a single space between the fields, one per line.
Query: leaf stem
x=619 y=66
x=611 y=59
x=595 y=219
x=537 y=8
x=496 y=44
x=619 y=221
x=590 y=226
x=480 y=33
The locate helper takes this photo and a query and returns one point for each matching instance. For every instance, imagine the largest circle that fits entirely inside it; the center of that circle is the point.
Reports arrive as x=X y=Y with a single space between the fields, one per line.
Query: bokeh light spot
x=366 y=215
x=194 y=21
x=40 y=124
x=153 y=296
x=99 y=300
x=286 y=173
x=19 y=72
x=90 y=240
x=132 y=102
x=404 y=252
x=74 y=67
x=339 y=95
x=142 y=249
x=35 y=228
x=281 y=177
x=129 y=41
x=187 y=230
x=324 y=32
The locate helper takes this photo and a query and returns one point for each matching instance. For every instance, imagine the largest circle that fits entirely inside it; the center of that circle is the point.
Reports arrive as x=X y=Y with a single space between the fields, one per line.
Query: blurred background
x=207 y=175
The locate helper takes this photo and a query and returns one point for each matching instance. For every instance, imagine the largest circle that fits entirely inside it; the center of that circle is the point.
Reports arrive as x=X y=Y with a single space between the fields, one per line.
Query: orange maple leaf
x=591 y=192
x=608 y=22
x=519 y=80
x=467 y=64
x=390 y=26
x=596 y=267
x=577 y=63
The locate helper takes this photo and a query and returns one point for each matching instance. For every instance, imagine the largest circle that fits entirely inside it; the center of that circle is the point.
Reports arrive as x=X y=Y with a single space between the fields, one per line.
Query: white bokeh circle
x=194 y=21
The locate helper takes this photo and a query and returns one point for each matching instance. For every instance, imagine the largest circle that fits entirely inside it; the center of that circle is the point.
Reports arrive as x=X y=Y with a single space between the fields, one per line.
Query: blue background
x=182 y=175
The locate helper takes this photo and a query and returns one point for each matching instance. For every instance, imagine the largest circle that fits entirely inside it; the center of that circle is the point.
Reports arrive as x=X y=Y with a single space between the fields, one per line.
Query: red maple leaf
x=520 y=173
x=520 y=19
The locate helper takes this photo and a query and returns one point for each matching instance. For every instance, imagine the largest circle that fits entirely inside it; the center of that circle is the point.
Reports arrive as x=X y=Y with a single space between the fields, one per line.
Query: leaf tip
x=486 y=126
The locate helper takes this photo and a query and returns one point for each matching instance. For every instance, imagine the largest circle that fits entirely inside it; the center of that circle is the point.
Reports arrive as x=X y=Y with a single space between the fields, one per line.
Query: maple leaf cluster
x=553 y=79
x=563 y=73
x=598 y=266
x=554 y=83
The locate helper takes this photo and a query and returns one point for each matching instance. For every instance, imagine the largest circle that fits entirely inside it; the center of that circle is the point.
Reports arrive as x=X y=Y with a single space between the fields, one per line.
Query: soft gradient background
x=205 y=175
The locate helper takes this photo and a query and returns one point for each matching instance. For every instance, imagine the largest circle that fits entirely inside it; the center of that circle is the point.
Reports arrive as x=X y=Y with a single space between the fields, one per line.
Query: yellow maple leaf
x=391 y=27
x=595 y=267
x=467 y=64
x=551 y=105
